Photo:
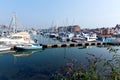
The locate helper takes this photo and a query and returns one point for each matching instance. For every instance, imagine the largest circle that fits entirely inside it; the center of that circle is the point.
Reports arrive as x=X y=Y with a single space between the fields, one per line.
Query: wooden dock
x=73 y=44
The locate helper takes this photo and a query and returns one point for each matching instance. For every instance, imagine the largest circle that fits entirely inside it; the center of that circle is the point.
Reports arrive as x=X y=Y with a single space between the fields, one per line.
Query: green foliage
x=113 y=64
x=110 y=69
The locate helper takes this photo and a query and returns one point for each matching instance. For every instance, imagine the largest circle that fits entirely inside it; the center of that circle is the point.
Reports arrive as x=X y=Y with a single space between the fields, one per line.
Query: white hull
x=91 y=39
x=5 y=48
x=17 y=38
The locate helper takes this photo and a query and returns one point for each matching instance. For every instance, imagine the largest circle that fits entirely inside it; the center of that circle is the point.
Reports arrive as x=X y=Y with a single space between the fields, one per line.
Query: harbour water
x=41 y=64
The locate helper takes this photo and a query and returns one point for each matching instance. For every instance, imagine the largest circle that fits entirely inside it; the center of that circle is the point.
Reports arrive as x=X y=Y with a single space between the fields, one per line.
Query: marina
x=41 y=41
x=59 y=40
x=35 y=56
x=31 y=54
x=17 y=38
x=42 y=64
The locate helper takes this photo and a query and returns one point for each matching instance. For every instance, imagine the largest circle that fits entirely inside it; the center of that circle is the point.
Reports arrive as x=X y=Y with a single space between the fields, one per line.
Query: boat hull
x=26 y=47
x=5 y=49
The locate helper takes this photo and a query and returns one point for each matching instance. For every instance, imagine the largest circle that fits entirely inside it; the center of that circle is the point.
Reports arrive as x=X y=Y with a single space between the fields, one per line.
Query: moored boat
x=31 y=46
x=17 y=38
x=4 y=48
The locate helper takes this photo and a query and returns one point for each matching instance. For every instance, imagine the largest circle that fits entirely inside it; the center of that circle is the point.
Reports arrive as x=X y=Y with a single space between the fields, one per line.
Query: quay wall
x=73 y=44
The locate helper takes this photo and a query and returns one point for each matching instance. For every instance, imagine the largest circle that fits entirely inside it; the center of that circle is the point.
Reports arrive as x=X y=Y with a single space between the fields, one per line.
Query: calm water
x=40 y=65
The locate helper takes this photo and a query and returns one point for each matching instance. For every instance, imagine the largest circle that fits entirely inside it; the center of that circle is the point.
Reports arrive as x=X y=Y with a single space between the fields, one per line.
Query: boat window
x=16 y=37
x=26 y=39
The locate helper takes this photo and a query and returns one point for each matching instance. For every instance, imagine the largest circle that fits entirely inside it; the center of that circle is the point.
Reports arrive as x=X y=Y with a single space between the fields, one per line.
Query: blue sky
x=45 y=13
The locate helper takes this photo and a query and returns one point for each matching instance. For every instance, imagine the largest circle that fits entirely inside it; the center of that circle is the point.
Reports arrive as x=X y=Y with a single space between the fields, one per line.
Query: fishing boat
x=32 y=46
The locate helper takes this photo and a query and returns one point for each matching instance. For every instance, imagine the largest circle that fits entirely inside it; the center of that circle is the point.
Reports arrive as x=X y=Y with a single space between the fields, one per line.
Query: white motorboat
x=90 y=36
x=4 y=48
x=17 y=38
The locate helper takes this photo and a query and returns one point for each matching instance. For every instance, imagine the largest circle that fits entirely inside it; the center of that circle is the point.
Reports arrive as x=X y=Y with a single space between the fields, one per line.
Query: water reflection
x=102 y=46
x=19 y=54
x=41 y=64
x=26 y=53
x=83 y=47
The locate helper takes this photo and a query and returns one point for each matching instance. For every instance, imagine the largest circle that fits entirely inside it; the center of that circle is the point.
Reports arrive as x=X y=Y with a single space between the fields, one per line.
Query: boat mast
x=13 y=24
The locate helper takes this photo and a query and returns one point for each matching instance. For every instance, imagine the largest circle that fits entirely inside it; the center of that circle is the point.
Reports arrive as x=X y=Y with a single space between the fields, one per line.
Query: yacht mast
x=13 y=24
